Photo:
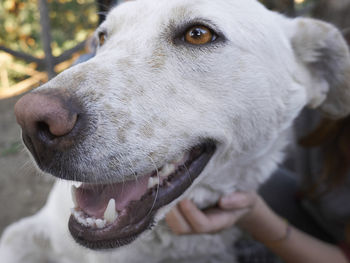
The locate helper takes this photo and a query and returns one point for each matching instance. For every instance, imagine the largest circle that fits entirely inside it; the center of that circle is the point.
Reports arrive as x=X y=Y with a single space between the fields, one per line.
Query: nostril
x=44 y=132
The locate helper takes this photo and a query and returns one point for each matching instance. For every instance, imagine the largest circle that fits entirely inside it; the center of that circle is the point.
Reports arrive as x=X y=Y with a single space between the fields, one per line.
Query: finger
x=177 y=222
x=194 y=216
x=221 y=219
x=237 y=201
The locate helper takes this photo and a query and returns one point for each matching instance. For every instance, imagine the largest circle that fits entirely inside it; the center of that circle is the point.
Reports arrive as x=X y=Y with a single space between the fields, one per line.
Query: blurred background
x=41 y=38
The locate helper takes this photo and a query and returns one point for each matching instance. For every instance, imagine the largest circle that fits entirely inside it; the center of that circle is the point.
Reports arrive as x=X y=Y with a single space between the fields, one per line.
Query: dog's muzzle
x=114 y=213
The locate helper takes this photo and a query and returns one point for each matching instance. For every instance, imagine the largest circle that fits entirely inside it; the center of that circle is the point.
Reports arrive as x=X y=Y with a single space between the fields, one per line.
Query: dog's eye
x=199 y=35
x=101 y=38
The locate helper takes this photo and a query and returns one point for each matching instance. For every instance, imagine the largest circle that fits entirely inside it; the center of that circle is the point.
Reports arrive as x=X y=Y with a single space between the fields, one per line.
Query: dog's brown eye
x=199 y=35
x=101 y=38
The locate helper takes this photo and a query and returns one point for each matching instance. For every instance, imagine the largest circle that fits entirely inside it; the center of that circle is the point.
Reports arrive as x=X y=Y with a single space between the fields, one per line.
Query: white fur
x=152 y=99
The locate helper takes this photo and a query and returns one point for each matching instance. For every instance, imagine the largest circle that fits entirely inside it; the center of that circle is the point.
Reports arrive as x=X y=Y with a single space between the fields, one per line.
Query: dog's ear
x=323 y=53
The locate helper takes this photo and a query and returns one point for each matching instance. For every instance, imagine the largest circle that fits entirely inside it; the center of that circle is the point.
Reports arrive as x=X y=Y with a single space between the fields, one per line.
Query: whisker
x=155 y=199
x=102 y=13
x=100 y=5
x=123 y=179
x=188 y=172
x=132 y=169
x=24 y=166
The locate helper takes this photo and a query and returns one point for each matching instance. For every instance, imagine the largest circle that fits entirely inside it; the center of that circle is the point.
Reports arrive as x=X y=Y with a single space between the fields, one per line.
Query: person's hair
x=333 y=138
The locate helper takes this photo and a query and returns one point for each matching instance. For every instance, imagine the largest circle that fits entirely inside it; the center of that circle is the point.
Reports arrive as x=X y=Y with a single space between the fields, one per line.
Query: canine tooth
x=110 y=215
x=73 y=191
x=77 y=184
x=152 y=181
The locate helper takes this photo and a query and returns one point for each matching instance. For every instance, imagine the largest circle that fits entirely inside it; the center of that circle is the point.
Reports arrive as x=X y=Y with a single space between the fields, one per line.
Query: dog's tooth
x=77 y=184
x=167 y=170
x=74 y=198
x=77 y=214
x=152 y=181
x=81 y=220
x=100 y=223
x=90 y=221
x=110 y=214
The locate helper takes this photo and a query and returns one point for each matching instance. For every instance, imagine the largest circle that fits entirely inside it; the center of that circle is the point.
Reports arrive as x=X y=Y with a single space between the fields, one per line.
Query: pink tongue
x=93 y=199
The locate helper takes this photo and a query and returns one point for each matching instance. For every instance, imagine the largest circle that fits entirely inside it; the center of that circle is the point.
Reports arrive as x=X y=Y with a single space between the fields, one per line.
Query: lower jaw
x=139 y=215
x=108 y=241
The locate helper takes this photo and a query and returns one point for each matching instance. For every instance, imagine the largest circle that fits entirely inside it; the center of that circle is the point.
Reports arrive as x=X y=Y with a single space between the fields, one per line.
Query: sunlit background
x=71 y=22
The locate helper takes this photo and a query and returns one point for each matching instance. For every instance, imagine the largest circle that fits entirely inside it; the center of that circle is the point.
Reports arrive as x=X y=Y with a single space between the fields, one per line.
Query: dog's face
x=176 y=91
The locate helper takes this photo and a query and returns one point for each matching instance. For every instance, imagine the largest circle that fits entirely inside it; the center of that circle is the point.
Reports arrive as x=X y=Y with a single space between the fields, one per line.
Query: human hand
x=186 y=218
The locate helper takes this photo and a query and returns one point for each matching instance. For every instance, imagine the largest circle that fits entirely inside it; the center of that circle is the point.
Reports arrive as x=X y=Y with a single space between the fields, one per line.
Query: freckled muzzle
x=113 y=215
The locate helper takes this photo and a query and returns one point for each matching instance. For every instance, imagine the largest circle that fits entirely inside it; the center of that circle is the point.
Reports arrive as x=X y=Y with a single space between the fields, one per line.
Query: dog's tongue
x=93 y=199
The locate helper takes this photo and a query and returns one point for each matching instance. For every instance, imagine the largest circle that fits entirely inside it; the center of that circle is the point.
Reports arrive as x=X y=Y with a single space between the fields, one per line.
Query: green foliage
x=13 y=148
x=20 y=30
x=71 y=22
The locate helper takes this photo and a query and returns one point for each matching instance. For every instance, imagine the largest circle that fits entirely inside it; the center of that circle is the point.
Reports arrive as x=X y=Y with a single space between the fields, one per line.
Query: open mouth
x=112 y=215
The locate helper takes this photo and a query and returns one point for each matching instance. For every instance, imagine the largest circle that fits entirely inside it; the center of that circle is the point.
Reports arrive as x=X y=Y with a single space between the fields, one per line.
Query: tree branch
x=68 y=53
x=23 y=56
x=40 y=62
x=46 y=37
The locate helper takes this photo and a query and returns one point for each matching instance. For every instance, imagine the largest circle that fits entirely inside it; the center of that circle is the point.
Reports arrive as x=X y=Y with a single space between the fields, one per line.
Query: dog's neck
x=236 y=175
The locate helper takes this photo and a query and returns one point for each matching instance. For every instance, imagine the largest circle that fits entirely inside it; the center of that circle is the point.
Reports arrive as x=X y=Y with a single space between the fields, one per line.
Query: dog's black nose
x=48 y=120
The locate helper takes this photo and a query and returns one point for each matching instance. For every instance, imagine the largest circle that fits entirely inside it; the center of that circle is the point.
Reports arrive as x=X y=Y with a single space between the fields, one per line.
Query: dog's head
x=178 y=92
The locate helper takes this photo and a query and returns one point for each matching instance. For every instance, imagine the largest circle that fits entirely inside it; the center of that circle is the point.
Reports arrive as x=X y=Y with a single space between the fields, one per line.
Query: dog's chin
x=115 y=214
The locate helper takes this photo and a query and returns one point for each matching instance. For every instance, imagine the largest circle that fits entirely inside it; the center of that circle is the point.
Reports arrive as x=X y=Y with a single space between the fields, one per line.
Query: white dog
x=184 y=98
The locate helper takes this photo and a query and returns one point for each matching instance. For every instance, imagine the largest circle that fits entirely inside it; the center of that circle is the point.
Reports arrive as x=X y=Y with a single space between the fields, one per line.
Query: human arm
x=254 y=216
